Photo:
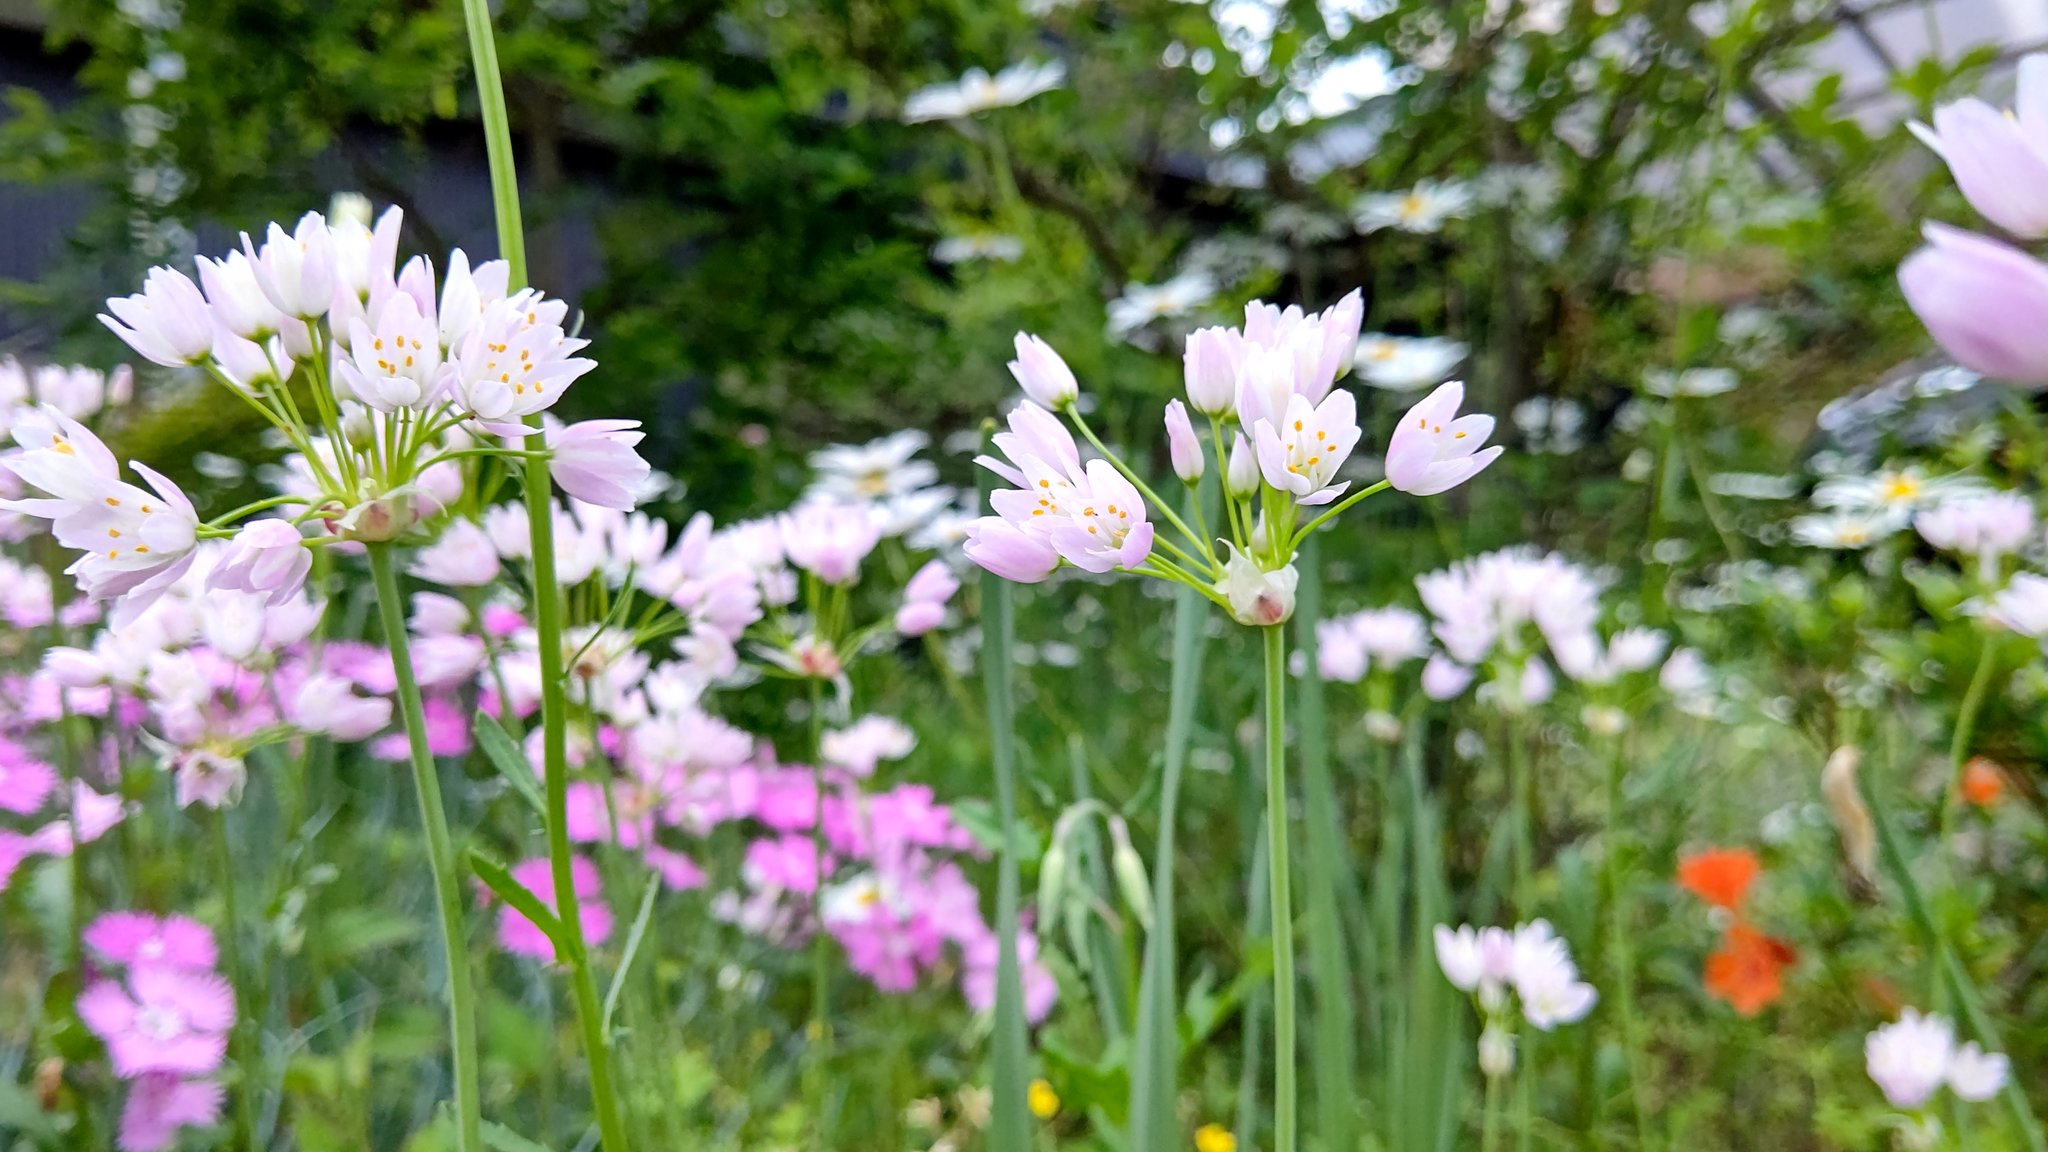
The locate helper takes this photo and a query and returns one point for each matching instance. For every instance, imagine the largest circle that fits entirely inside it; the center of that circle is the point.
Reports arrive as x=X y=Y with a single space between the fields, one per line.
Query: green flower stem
x=1284 y=1077
x=1338 y=508
x=440 y=856
x=1489 y=1132
x=1151 y=497
x=819 y=1036
x=547 y=620
x=1009 y=1123
x=1959 y=742
x=547 y=605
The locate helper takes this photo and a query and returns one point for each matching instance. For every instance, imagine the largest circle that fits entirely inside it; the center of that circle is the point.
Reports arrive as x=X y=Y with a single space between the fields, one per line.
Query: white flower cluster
x=1530 y=961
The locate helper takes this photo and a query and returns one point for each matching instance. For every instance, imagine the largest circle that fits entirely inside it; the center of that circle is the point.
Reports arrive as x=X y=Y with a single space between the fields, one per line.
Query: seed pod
x=1130 y=872
x=1851 y=819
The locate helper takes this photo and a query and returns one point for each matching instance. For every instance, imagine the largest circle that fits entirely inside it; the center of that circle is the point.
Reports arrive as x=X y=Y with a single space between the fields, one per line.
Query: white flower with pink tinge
x=134 y=544
x=1301 y=455
x=1434 y=449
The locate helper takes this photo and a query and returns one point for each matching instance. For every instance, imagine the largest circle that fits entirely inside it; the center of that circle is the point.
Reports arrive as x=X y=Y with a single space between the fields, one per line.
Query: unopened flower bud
x=1042 y=374
x=1604 y=720
x=378 y=520
x=1262 y=536
x=1256 y=597
x=1496 y=1051
x=1210 y=362
x=1130 y=872
x=1052 y=874
x=1181 y=444
x=1241 y=476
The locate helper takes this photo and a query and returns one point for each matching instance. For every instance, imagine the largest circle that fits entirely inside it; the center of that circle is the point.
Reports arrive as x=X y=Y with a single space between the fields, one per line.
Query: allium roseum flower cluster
x=1502 y=610
x=1530 y=961
x=164 y=1014
x=1279 y=430
x=406 y=377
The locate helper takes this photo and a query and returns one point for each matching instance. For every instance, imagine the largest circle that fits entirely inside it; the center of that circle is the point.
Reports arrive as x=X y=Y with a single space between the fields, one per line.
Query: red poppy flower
x=1748 y=969
x=1983 y=783
x=1720 y=876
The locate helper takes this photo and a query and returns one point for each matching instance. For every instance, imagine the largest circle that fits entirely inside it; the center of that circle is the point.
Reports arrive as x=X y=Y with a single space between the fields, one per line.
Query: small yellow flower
x=1214 y=1138
x=1045 y=1103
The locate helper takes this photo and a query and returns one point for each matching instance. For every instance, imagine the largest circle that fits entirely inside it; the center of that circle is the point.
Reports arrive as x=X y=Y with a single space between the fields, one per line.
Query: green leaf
x=505 y=755
x=503 y=1139
x=512 y=892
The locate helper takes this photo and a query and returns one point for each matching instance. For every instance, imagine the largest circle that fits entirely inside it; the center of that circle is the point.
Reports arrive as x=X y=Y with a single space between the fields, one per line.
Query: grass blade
x=1329 y=872
x=1009 y=1129
x=1155 y=1058
x=505 y=755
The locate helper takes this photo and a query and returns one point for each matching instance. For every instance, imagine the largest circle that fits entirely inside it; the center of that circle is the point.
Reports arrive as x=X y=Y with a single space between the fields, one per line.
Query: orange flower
x=1983 y=782
x=1720 y=876
x=1747 y=971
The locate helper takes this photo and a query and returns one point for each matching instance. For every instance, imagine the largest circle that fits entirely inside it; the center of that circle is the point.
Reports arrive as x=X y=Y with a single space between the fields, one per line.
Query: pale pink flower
x=828 y=540
x=161 y=1020
x=1042 y=374
x=1984 y=302
x=141 y=939
x=1301 y=454
x=925 y=597
x=327 y=705
x=594 y=461
x=868 y=742
x=463 y=557
x=1210 y=364
x=168 y=322
x=267 y=557
x=296 y=271
x=2000 y=159
x=1433 y=449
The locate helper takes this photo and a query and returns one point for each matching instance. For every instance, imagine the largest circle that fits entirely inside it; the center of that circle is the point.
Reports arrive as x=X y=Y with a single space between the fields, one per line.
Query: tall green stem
x=1284 y=1091
x=1489 y=1131
x=540 y=503
x=554 y=708
x=440 y=856
x=1619 y=946
x=820 y=1032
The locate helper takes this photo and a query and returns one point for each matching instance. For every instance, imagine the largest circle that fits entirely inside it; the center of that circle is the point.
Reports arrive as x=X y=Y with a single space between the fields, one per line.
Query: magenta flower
x=1433 y=449
x=2000 y=160
x=159 y=1104
x=521 y=935
x=1984 y=302
x=141 y=939
x=594 y=461
x=24 y=781
x=267 y=557
x=162 y=1020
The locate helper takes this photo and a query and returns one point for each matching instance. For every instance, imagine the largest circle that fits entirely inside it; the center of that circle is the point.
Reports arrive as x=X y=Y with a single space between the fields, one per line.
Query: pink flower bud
x=1042 y=374
x=1211 y=363
x=1181 y=444
x=267 y=557
x=1984 y=302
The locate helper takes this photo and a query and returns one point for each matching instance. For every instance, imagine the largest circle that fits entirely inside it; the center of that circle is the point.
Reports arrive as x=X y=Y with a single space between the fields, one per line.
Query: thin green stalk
x=1157 y=1053
x=1284 y=1090
x=1489 y=1131
x=1257 y=890
x=547 y=609
x=1010 y=1128
x=554 y=707
x=238 y=975
x=1525 y=1093
x=1959 y=742
x=1138 y=482
x=1620 y=950
x=1522 y=799
x=440 y=856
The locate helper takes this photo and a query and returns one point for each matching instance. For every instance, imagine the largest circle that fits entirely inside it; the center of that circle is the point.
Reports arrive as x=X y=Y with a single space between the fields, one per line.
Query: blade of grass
x=504 y=754
x=1329 y=872
x=1155 y=1059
